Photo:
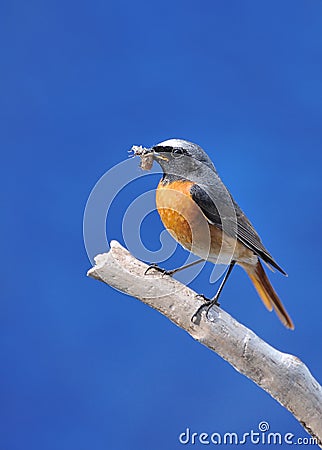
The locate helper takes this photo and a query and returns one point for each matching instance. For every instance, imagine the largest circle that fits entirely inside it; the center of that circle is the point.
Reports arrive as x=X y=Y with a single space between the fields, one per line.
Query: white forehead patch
x=174 y=143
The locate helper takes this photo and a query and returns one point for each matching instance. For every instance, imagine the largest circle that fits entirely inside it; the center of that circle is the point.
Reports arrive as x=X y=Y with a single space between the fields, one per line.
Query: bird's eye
x=177 y=152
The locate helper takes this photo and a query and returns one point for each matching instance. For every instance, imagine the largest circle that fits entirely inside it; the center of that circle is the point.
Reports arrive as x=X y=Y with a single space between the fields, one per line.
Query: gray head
x=181 y=158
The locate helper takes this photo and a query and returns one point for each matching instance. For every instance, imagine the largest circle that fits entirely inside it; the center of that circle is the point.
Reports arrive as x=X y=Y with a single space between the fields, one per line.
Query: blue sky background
x=83 y=366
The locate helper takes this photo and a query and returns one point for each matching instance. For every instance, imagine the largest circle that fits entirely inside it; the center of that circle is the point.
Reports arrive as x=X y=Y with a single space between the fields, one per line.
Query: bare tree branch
x=285 y=377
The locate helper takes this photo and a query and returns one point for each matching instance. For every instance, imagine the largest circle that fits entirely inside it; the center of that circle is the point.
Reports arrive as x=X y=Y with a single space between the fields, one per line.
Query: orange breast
x=179 y=213
x=187 y=224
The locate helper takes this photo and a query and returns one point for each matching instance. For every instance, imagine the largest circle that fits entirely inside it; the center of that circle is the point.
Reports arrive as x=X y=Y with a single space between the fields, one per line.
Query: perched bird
x=199 y=212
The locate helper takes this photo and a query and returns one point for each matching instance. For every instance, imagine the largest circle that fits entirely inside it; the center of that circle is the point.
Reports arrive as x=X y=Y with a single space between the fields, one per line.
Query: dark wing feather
x=207 y=197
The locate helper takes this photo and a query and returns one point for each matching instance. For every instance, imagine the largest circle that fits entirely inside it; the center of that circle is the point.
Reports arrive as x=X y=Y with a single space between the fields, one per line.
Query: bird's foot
x=206 y=299
x=154 y=266
x=207 y=306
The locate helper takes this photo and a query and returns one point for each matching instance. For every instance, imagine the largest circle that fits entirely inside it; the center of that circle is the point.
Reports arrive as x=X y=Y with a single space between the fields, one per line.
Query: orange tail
x=267 y=292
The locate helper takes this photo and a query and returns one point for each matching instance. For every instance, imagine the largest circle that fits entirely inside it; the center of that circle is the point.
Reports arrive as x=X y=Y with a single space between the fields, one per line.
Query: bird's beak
x=157 y=155
x=154 y=154
x=147 y=152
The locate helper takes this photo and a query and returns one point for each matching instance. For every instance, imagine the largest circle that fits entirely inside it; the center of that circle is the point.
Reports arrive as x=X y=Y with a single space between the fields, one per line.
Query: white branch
x=285 y=377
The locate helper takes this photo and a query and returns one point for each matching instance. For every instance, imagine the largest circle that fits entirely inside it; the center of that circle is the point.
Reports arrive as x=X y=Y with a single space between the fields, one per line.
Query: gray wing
x=227 y=211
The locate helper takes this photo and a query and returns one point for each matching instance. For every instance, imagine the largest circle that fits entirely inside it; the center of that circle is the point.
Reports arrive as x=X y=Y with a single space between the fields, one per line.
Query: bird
x=200 y=213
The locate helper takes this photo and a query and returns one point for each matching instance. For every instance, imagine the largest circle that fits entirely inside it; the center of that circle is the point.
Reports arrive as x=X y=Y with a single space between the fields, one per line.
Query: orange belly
x=185 y=221
x=175 y=208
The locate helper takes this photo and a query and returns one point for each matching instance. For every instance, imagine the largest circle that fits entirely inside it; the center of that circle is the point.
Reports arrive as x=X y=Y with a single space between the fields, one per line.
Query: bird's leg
x=173 y=271
x=210 y=303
